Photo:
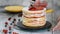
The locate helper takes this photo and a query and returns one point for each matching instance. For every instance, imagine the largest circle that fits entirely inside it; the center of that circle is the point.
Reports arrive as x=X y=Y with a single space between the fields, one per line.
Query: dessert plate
x=46 y=26
x=13 y=8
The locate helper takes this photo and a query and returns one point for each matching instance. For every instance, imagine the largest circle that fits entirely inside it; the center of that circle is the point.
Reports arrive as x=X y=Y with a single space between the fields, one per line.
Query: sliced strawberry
x=44 y=4
x=9 y=27
x=40 y=8
x=32 y=8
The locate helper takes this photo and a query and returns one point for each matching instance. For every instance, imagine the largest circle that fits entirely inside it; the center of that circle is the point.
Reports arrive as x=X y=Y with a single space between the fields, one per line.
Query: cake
x=35 y=15
x=33 y=18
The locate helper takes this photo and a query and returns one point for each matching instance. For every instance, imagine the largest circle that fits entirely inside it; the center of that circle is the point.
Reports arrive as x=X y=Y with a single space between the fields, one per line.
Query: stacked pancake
x=34 y=18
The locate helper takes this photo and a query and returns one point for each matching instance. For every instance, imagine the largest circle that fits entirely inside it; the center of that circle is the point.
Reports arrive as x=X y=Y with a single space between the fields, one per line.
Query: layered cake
x=34 y=15
x=34 y=18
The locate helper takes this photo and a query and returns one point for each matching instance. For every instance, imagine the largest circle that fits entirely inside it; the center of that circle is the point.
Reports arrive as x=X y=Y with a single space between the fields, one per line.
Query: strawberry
x=40 y=8
x=44 y=4
x=32 y=8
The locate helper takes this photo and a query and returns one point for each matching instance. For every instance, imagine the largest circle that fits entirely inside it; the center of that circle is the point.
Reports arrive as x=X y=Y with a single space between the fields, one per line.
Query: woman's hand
x=57 y=27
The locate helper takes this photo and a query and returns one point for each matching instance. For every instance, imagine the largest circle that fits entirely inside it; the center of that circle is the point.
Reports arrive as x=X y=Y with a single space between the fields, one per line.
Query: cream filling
x=34 y=21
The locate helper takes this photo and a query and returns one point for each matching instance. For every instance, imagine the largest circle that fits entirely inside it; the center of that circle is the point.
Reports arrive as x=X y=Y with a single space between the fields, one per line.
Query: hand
x=57 y=27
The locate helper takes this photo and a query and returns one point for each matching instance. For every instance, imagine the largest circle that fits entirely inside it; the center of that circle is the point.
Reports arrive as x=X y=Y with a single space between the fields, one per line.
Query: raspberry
x=14 y=19
x=9 y=27
x=9 y=18
x=15 y=33
x=5 y=31
x=6 y=23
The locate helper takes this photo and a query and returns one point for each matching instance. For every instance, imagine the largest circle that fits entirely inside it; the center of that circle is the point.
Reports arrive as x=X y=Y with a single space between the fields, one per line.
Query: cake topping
x=32 y=8
x=38 y=5
x=44 y=4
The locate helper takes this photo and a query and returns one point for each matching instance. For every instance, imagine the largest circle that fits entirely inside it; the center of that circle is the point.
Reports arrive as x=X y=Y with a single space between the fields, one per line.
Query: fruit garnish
x=37 y=3
x=32 y=8
x=44 y=4
x=5 y=31
x=6 y=23
x=9 y=18
x=9 y=27
x=40 y=8
x=14 y=19
x=15 y=33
